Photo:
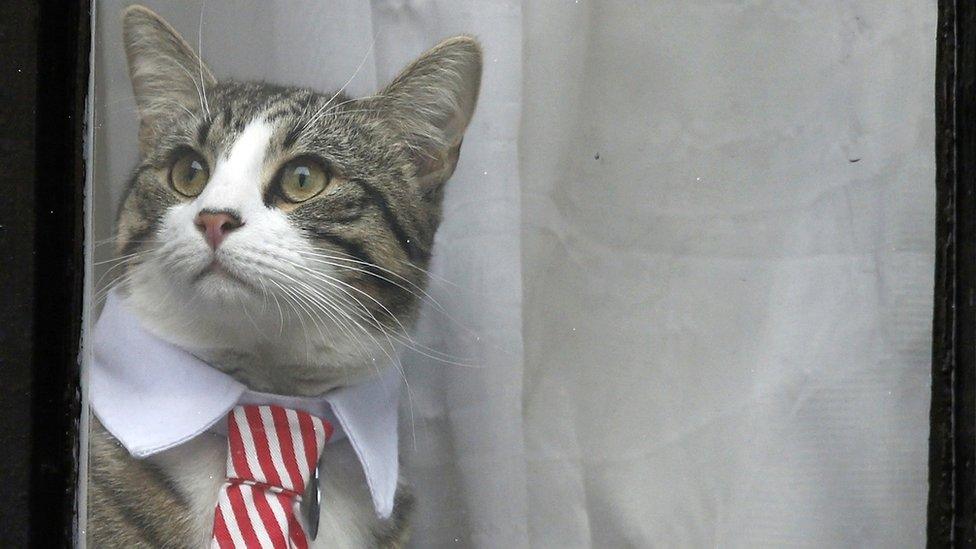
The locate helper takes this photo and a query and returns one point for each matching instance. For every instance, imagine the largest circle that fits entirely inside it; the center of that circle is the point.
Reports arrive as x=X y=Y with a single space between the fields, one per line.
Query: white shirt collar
x=152 y=396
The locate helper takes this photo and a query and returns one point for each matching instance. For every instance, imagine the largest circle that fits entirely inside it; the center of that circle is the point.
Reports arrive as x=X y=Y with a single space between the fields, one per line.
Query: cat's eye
x=189 y=174
x=302 y=179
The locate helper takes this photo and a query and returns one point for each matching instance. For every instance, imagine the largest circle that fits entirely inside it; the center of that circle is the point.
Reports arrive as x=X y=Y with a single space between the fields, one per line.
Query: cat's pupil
x=302 y=174
x=193 y=169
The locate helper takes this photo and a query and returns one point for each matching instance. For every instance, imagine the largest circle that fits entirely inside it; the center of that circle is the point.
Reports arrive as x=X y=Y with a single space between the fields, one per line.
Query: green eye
x=302 y=180
x=189 y=174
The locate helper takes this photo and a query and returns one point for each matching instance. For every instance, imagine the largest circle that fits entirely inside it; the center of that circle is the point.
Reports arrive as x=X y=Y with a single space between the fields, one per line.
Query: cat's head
x=285 y=232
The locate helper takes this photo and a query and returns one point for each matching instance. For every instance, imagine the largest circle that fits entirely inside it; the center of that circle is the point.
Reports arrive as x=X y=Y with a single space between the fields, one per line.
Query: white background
x=689 y=246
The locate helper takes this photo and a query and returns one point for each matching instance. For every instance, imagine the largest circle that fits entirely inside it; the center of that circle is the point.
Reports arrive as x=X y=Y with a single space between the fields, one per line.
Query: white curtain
x=688 y=253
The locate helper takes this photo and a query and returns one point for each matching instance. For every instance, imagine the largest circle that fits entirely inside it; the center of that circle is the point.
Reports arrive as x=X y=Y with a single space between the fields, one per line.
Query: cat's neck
x=262 y=372
x=262 y=351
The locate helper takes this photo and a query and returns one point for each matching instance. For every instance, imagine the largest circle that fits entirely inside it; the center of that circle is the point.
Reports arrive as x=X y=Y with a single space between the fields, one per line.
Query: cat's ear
x=165 y=72
x=431 y=103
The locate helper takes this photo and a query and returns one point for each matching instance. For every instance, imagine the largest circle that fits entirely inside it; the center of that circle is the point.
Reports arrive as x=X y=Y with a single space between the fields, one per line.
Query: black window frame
x=45 y=70
x=952 y=435
x=45 y=66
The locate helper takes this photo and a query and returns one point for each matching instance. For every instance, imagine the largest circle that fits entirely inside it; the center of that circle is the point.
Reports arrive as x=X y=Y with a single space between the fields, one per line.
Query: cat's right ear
x=165 y=72
x=430 y=103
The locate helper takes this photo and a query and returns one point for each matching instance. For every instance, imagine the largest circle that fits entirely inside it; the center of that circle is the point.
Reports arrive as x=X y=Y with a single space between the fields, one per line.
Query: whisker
x=300 y=321
x=422 y=295
x=317 y=301
x=203 y=85
x=405 y=340
x=362 y=63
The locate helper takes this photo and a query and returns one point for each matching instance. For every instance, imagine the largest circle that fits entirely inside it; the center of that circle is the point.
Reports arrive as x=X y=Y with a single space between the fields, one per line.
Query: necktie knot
x=271 y=454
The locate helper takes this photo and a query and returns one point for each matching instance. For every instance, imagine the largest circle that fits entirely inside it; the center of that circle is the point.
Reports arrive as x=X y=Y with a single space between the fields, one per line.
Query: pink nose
x=215 y=226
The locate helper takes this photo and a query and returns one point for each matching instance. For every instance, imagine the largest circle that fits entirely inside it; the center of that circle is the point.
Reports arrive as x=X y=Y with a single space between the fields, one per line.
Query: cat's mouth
x=217 y=269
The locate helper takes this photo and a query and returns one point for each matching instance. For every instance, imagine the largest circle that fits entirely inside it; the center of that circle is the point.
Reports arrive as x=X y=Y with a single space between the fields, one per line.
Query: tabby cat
x=283 y=235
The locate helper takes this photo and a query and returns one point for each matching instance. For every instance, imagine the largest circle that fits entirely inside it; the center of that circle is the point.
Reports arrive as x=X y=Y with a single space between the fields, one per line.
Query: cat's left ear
x=430 y=105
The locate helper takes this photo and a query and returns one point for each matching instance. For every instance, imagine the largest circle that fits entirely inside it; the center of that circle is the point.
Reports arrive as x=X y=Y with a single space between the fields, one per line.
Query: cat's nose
x=215 y=226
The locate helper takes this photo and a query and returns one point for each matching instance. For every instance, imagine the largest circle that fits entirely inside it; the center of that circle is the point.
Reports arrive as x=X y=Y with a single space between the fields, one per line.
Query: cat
x=282 y=234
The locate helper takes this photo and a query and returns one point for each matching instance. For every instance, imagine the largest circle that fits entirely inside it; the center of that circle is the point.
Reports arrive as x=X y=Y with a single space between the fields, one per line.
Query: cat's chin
x=219 y=285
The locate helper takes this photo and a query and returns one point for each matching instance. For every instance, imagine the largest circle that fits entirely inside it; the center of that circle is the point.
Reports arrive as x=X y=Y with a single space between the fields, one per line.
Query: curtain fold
x=727 y=272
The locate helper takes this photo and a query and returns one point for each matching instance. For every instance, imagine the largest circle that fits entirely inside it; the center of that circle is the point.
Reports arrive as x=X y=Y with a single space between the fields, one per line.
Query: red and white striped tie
x=272 y=451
